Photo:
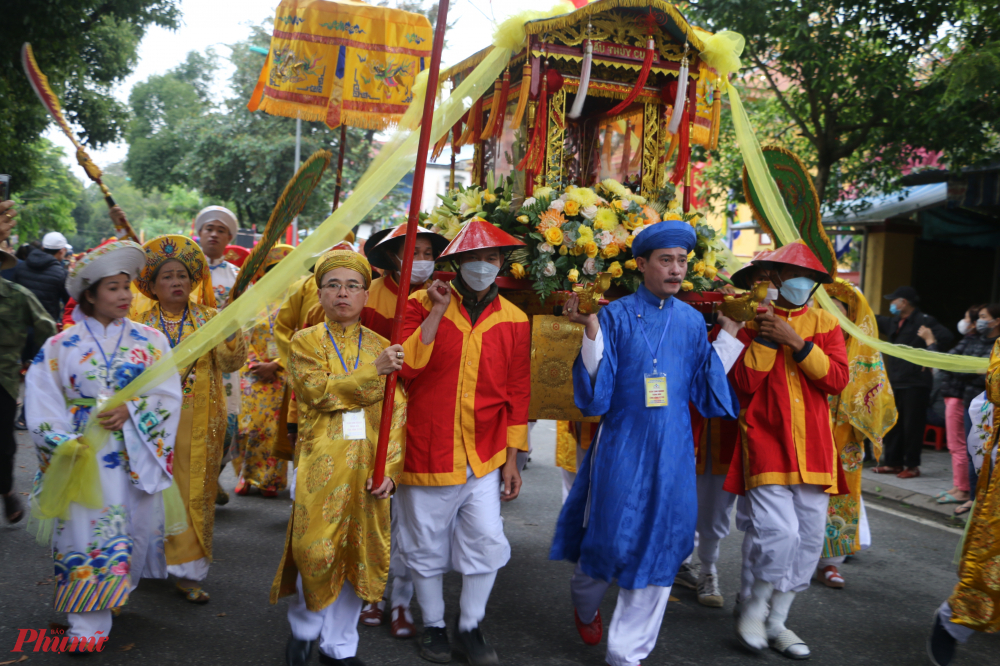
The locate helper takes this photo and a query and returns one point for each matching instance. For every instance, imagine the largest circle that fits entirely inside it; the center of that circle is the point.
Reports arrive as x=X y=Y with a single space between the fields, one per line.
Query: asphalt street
x=881 y=617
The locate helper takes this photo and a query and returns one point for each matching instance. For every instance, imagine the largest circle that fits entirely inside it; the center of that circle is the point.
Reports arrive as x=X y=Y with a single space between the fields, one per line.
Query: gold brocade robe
x=975 y=603
x=198 y=449
x=260 y=424
x=338 y=531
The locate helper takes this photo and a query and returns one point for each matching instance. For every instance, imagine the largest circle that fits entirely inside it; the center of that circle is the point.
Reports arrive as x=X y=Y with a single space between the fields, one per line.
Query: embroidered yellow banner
x=342 y=62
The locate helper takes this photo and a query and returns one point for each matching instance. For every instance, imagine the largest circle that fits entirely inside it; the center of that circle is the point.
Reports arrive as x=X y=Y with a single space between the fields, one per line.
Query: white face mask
x=772 y=295
x=963 y=326
x=421 y=271
x=479 y=275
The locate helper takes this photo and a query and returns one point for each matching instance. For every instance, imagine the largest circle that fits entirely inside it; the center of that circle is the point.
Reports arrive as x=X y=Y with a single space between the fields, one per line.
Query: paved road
x=882 y=616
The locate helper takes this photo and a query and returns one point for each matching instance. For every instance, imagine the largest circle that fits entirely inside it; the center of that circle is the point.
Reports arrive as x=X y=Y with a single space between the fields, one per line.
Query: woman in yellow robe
x=337 y=546
x=865 y=409
x=264 y=383
x=174 y=266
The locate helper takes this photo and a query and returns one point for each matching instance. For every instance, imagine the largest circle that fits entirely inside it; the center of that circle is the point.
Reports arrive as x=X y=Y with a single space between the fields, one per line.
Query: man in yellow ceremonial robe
x=337 y=547
x=975 y=603
x=174 y=266
x=866 y=409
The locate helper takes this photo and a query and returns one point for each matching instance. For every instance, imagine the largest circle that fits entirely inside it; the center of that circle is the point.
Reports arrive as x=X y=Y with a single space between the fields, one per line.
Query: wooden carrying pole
x=423 y=146
x=340 y=167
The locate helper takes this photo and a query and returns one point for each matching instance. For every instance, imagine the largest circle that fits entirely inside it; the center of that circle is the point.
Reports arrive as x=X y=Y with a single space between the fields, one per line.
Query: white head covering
x=216 y=214
x=104 y=261
x=54 y=241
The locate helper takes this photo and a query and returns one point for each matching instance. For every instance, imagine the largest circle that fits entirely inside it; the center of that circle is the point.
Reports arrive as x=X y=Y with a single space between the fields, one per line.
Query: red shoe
x=402 y=626
x=830 y=577
x=590 y=633
x=270 y=491
x=242 y=487
x=909 y=473
x=887 y=469
x=371 y=615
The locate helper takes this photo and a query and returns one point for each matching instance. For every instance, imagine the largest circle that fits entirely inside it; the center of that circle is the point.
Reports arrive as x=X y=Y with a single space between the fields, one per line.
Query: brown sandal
x=830 y=577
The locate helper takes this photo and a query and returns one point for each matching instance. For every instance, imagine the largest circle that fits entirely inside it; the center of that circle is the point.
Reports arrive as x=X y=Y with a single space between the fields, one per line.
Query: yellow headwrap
x=343 y=259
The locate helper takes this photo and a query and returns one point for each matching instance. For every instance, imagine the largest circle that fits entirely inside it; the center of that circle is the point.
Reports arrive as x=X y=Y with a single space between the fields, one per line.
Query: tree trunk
x=823 y=169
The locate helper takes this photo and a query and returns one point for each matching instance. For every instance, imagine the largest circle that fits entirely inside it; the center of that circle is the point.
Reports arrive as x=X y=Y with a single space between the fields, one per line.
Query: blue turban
x=669 y=233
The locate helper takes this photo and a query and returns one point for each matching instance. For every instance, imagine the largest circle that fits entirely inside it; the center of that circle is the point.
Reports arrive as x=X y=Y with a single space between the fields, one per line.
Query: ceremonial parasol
x=40 y=84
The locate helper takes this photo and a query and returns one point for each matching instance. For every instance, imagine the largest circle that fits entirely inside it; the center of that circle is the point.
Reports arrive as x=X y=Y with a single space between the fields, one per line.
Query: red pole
x=340 y=166
x=411 y=238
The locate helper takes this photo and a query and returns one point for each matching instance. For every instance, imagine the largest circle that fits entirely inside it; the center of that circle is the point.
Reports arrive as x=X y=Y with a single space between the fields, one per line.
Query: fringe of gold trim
x=439 y=146
x=367 y=120
x=600 y=89
x=278 y=107
x=569 y=57
x=580 y=17
x=494 y=111
x=524 y=91
x=471 y=133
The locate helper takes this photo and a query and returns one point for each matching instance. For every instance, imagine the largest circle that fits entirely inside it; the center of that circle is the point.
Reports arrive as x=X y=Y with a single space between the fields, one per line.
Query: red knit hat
x=236 y=255
x=478 y=234
x=797 y=253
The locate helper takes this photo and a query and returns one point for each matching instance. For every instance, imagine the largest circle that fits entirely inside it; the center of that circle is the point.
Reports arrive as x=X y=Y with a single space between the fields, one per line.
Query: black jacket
x=44 y=276
x=903 y=374
x=967 y=385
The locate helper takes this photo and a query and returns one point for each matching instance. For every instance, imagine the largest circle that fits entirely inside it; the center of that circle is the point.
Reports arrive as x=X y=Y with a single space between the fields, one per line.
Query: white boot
x=782 y=639
x=750 y=625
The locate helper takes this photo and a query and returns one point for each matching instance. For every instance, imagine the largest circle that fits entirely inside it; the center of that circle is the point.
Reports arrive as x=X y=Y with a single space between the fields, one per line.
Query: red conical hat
x=797 y=253
x=478 y=234
x=381 y=241
x=236 y=255
x=741 y=278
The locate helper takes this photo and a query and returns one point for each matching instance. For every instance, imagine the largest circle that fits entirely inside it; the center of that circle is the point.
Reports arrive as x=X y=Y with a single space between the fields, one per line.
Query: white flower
x=558 y=205
x=549 y=270
x=589 y=212
x=604 y=239
x=545 y=248
x=530 y=201
x=635 y=232
x=590 y=266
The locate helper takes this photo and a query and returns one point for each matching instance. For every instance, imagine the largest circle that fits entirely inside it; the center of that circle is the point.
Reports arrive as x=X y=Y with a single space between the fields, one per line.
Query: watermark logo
x=36 y=640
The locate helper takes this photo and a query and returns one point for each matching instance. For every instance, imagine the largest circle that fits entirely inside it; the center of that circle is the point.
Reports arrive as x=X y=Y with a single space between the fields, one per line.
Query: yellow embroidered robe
x=202 y=430
x=975 y=603
x=338 y=531
x=260 y=423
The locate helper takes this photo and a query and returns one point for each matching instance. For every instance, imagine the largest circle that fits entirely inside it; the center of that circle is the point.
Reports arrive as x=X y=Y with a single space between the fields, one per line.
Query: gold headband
x=343 y=259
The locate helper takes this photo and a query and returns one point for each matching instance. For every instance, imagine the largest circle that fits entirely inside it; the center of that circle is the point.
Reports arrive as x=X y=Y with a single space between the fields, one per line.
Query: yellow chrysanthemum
x=585 y=235
x=606 y=219
x=614 y=187
x=641 y=200
x=573 y=275
x=615 y=269
x=583 y=196
x=541 y=192
x=553 y=236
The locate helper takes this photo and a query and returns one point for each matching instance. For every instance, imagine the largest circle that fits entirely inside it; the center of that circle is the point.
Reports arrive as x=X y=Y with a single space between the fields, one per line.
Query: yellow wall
x=888 y=265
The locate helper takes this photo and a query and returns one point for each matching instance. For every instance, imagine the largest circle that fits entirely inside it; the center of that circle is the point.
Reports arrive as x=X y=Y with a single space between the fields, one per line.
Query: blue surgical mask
x=894 y=309
x=797 y=290
x=983 y=325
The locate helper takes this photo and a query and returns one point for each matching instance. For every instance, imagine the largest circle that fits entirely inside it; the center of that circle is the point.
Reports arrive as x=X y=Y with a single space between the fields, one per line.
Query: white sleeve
x=728 y=349
x=592 y=352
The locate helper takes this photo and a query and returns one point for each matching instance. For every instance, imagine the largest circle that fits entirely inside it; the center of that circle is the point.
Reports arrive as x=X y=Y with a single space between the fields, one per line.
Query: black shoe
x=19 y=423
x=940 y=644
x=349 y=661
x=434 y=645
x=297 y=652
x=477 y=651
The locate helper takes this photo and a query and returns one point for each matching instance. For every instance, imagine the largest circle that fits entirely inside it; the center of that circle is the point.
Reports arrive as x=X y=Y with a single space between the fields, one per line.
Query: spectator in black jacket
x=44 y=275
x=911 y=383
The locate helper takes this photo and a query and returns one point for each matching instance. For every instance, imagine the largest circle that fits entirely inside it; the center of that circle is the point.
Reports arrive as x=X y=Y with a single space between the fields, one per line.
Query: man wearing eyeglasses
x=337 y=548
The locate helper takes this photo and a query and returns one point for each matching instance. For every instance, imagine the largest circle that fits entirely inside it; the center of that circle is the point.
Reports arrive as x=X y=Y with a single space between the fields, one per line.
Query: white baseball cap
x=54 y=241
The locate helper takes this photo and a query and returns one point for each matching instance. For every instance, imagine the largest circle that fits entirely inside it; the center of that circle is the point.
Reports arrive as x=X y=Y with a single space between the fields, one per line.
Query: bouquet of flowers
x=574 y=234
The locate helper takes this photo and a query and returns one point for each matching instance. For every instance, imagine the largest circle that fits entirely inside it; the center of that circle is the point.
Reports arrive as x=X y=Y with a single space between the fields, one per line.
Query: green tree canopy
x=84 y=47
x=48 y=205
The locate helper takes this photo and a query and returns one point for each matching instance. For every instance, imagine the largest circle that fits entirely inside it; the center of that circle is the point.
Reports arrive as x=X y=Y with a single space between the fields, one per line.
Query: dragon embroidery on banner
x=389 y=76
x=289 y=68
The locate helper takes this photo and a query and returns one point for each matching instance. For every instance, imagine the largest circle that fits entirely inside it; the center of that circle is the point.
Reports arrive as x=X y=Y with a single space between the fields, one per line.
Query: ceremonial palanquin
x=342 y=62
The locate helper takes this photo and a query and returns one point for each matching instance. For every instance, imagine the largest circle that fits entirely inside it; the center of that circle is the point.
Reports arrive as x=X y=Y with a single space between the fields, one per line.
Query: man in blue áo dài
x=630 y=515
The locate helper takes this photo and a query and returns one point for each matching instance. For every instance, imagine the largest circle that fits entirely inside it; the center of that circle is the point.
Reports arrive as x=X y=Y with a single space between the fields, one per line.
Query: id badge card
x=656 y=389
x=272 y=350
x=354 y=424
x=103 y=396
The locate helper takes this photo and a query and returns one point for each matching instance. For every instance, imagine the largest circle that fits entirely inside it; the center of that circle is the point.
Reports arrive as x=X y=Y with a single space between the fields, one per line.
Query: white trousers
x=743 y=525
x=453 y=528
x=336 y=626
x=787 y=528
x=715 y=506
x=94 y=624
x=636 y=620
x=402 y=584
x=196 y=570
x=959 y=632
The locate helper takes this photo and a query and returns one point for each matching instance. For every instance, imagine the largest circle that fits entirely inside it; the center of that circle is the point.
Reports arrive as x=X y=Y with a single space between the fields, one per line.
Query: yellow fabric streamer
x=781 y=222
x=72 y=476
x=380 y=179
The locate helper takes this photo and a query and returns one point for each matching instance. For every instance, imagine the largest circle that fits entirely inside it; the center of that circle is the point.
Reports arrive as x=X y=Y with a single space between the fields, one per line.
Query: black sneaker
x=297 y=652
x=940 y=644
x=477 y=651
x=348 y=661
x=434 y=645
